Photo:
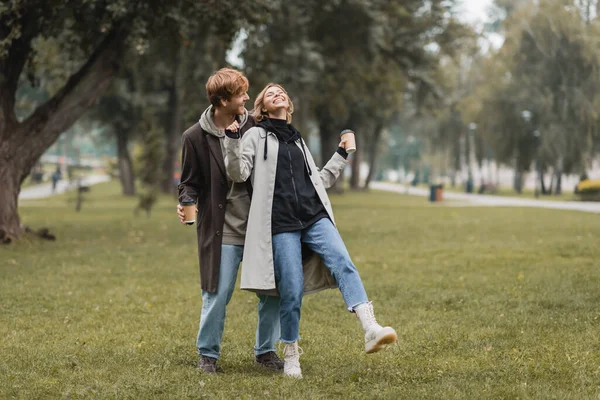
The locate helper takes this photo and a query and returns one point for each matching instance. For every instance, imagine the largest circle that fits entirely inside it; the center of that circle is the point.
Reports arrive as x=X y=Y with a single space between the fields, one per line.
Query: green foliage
x=149 y=163
x=354 y=63
x=111 y=309
x=547 y=68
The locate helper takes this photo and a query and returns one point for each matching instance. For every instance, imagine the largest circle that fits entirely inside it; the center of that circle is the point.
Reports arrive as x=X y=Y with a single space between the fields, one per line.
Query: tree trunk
x=373 y=154
x=173 y=135
x=558 y=171
x=542 y=183
x=10 y=224
x=518 y=181
x=356 y=160
x=23 y=143
x=126 y=174
x=329 y=140
x=175 y=123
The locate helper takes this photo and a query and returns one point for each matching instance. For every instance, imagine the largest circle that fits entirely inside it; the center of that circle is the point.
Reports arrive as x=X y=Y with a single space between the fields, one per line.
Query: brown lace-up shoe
x=269 y=360
x=208 y=364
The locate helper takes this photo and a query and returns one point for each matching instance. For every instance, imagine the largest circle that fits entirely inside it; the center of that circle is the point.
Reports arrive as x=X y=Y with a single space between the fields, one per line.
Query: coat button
x=223 y=182
x=218 y=233
x=220 y=206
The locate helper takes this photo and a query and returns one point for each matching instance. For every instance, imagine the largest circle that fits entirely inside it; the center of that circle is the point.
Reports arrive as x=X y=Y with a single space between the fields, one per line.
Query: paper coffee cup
x=189 y=211
x=348 y=135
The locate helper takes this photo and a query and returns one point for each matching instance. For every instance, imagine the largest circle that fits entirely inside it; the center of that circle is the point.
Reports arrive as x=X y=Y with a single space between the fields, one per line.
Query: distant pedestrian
x=56 y=176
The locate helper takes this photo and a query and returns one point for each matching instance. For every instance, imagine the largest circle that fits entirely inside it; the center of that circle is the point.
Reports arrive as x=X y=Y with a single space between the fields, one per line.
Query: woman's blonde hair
x=259 y=113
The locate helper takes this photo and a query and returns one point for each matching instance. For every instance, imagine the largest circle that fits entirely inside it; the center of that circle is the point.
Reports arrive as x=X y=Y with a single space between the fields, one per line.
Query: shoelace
x=370 y=315
x=290 y=351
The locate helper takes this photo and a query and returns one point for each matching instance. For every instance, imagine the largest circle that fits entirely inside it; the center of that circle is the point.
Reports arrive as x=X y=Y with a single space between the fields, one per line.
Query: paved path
x=45 y=190
x=489 y=200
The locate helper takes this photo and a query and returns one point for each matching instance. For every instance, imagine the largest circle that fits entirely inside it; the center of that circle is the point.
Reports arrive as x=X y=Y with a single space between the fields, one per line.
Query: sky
x=475 y=11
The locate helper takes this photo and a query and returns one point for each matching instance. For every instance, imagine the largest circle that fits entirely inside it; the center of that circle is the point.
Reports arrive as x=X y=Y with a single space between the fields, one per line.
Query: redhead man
x=223 y=208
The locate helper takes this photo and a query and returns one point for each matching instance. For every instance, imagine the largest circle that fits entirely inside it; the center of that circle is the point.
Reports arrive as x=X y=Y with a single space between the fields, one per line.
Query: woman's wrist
x=342 y=152
x=231 y=134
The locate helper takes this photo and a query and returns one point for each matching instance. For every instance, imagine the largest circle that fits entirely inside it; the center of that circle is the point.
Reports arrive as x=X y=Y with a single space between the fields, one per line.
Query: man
x=223 y=208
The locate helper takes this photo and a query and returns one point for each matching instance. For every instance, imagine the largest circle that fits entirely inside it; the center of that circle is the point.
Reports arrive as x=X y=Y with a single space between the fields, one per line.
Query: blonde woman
x=289 y=208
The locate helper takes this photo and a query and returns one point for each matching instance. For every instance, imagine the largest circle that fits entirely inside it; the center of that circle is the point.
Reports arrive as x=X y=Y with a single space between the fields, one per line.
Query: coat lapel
x=214 y=145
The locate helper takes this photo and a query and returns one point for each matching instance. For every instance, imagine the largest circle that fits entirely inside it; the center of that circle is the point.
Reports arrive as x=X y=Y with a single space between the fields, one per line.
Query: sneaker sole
x=381 y=342
x=270 y=367
x=293 y=376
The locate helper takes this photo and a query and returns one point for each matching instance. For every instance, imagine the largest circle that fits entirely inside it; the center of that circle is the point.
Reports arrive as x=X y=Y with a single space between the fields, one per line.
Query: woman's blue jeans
x=324 y=239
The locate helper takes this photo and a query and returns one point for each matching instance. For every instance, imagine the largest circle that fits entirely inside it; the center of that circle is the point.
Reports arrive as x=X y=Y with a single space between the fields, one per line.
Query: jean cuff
x=260 y=352
x=211 y=355
x=351 y=309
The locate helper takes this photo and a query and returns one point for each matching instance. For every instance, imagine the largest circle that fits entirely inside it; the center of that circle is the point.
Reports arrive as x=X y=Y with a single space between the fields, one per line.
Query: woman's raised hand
x=233 y=127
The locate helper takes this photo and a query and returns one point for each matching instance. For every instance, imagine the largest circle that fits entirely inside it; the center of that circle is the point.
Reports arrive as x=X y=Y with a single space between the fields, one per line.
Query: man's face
x=236 y=104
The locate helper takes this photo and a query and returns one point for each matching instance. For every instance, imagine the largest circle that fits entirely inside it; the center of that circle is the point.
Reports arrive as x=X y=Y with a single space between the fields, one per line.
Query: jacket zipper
x=287 y=146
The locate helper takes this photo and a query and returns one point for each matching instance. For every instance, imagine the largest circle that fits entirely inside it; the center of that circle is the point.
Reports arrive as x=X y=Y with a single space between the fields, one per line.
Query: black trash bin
x=469 y=186
x=435 y=192
x=432 y=189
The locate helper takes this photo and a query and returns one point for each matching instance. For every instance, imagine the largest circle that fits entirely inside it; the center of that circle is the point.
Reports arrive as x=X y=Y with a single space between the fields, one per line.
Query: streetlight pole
x=538 y=168
x=526 y=114
x=470 y=156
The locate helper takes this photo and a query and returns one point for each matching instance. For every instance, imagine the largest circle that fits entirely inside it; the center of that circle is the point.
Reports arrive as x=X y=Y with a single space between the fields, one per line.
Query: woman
x=289 y=208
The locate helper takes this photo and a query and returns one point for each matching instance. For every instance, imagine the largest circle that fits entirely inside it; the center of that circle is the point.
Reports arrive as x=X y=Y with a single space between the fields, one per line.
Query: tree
x=149 y=162
x=542 y=111
x=93 y=38
x=120 y=112
x=347 y=63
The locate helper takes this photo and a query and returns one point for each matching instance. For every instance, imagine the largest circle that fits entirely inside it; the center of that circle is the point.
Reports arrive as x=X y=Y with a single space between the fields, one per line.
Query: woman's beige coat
x=246 y=160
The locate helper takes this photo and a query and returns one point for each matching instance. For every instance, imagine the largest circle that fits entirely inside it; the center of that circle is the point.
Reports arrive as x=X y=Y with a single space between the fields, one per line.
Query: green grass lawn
x=495 y=303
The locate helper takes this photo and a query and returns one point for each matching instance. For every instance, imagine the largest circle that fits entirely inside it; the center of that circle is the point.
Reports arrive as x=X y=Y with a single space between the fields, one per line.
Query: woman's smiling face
x=275 y=99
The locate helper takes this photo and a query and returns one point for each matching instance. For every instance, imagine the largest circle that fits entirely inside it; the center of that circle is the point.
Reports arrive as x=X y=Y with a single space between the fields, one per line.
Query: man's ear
x=223 y=102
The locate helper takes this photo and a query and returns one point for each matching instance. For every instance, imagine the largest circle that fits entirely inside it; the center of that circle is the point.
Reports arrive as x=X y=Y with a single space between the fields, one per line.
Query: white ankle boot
x=291 y=360
x=377 y=337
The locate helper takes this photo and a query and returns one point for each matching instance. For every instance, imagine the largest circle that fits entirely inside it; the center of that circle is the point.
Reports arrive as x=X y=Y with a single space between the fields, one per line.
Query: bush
x=588 y=190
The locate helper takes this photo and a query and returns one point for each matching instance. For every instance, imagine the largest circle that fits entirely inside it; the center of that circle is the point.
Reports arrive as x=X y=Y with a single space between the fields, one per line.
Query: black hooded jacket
x=296 y=204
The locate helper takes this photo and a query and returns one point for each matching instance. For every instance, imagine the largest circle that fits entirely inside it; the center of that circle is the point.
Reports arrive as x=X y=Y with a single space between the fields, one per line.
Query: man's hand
x=180 y=213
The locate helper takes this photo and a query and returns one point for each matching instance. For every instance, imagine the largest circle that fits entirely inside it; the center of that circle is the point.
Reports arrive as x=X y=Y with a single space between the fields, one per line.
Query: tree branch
x=12 y=65
x=80 y=91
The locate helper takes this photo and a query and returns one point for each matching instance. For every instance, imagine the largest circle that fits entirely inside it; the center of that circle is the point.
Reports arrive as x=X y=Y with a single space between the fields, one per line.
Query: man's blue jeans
x=212 y=319
x=324 y=239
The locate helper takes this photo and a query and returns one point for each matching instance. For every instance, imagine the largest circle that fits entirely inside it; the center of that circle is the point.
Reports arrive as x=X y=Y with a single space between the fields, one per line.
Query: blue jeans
x=324 y=239
x=212 y=319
